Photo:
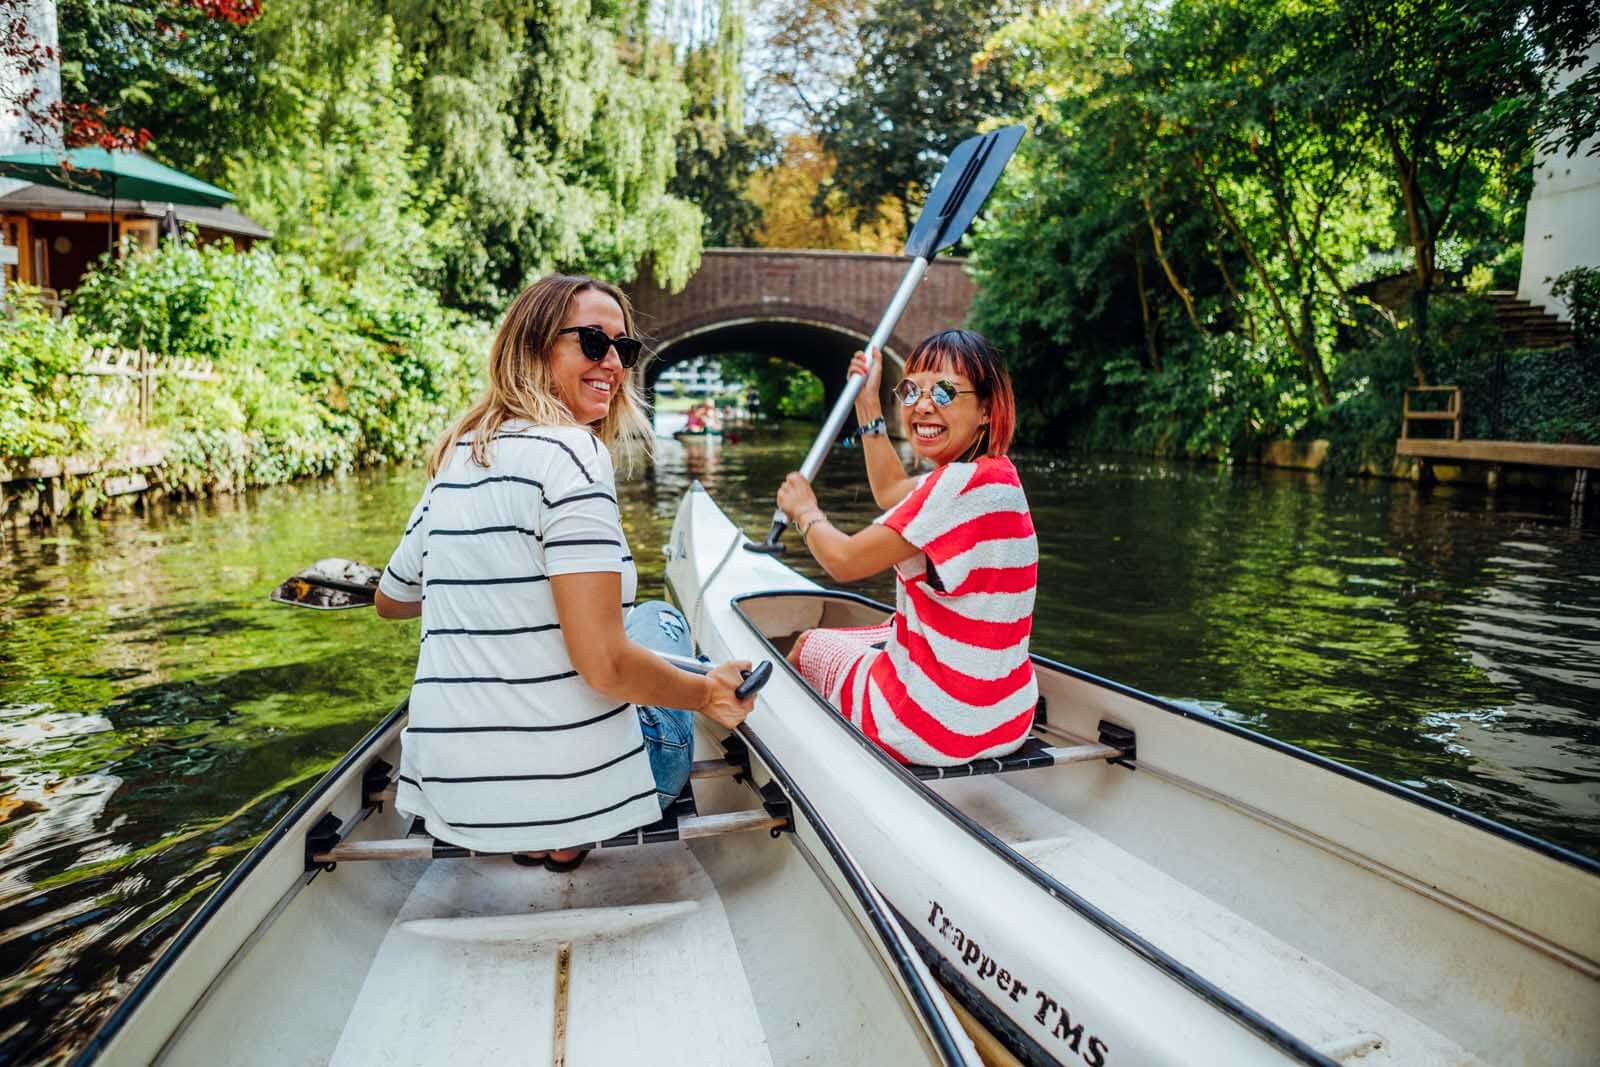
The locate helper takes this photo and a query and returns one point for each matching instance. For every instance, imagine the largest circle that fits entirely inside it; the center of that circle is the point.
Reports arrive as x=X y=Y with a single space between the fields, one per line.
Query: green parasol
x=117 y=175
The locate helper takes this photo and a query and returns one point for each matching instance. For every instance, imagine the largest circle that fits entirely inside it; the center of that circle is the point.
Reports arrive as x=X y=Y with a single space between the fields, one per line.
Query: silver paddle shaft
x=852 y=387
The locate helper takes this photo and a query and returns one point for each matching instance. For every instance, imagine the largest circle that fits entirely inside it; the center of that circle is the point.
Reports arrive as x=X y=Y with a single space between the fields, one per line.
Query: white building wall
x=1563 y=226
x=40 y=19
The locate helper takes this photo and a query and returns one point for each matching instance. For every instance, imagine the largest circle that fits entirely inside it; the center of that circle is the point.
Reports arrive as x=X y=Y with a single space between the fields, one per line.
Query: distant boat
x=703 y=435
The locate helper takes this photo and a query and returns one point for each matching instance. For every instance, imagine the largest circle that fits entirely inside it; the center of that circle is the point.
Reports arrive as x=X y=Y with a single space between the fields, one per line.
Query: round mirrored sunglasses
x=595 y=345
x=943 y=392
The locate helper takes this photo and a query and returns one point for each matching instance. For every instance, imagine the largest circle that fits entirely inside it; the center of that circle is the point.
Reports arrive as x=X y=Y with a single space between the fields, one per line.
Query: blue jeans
x=668 y=732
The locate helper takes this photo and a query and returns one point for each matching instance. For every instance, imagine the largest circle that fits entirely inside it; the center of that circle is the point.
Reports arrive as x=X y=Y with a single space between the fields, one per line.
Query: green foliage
x=1170 y=261
x=914 y=95
x=1507 y=395
x=716 y=154
x=784 y=389
x=1579 y=289
x=332 y=170
x=554 y=123
x=317 y=374
x=42 y=405
x=191 y=79
x=473 y=148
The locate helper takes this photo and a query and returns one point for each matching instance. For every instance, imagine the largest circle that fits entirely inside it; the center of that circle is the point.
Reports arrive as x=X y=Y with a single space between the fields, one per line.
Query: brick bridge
x=811 y=308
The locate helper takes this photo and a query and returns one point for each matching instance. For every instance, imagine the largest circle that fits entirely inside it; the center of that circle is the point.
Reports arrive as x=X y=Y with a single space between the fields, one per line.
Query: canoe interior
x=1456 y=947
x=729 y=950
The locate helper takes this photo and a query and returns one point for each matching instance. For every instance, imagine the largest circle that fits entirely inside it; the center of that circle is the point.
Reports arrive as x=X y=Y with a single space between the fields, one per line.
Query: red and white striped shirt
x=954 y=682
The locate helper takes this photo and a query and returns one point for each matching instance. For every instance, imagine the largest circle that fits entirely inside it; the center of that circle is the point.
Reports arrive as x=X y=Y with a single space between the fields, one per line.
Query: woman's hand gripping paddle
x=338 y=584
x=968 y=178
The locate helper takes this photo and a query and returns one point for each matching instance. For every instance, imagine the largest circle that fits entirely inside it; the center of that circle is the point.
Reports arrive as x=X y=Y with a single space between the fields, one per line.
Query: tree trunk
x=1166 y=268
x=1144 y=313
x=1309 y=357
x=1421 y=232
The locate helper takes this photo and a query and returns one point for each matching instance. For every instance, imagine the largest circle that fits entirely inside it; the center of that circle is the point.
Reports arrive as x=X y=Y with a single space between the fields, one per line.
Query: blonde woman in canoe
x=947 y=679
x=540 y=717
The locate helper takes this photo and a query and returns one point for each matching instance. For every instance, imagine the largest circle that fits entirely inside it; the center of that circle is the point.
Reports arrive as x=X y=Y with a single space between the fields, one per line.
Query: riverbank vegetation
x=417 y=168
x=1239 y=220
x=1233 y=220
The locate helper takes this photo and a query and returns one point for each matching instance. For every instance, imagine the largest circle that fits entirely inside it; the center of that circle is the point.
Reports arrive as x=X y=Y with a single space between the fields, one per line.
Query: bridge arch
x=811 y=308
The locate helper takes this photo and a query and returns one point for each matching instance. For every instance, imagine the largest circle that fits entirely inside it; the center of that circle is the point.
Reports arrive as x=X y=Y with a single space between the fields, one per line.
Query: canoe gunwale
x=214 y=903
x=893 y=933
x=1434 y=804
x=1226 y=1003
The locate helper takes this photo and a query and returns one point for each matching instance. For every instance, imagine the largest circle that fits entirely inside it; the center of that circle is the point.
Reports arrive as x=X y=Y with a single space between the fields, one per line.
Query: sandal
x=522 y=859
x=562 y=866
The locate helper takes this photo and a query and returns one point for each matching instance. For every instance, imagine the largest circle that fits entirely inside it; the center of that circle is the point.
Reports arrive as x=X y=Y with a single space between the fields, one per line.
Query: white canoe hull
x=736 y=949
x=1227 y=899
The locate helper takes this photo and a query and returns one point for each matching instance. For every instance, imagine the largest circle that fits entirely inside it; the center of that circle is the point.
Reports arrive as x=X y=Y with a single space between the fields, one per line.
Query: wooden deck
x=1580 y=459
x=1519 y=453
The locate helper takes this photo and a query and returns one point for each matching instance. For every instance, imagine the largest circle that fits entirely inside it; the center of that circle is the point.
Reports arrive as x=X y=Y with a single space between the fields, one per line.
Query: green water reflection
x=157 y=715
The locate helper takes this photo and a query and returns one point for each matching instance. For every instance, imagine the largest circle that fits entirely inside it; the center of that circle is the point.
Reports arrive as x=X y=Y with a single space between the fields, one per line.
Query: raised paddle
x=338 y=584
x=968 y=177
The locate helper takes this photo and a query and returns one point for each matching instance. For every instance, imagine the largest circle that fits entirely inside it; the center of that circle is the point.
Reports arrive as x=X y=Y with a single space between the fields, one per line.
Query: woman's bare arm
x=851 y=557
x=589 y=607
x=888 y=478
x=389 y=608
x=885 y=473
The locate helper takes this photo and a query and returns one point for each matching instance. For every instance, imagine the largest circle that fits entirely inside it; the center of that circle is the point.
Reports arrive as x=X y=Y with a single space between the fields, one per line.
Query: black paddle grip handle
x=753 y=680
x=772 y=546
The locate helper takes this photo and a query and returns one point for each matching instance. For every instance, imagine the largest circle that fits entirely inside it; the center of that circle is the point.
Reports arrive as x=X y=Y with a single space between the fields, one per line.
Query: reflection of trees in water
x=168 y=715
x=1351 y=618
x=109 y=867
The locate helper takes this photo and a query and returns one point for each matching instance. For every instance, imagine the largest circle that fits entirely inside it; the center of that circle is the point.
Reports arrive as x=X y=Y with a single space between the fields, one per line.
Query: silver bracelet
x=876 y=428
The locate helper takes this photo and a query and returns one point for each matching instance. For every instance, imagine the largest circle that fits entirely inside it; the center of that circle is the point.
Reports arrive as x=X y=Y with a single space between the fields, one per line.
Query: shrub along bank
x=312 y=375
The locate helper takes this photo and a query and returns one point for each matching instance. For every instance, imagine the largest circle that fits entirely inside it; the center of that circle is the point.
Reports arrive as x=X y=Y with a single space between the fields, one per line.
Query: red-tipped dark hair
x=970 y=354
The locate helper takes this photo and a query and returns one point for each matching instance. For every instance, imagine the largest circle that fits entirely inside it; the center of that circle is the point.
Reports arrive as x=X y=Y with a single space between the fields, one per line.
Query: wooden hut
x=58 y=234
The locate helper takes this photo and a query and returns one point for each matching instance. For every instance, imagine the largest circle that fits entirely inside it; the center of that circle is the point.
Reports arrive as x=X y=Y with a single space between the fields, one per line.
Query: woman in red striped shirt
x=947 y=679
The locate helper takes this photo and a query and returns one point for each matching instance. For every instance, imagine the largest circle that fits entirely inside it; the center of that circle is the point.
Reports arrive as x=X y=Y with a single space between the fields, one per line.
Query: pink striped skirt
x=826 y=656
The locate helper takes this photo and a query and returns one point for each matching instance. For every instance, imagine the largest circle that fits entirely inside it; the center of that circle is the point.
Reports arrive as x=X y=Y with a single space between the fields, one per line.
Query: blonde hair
x=521 y=386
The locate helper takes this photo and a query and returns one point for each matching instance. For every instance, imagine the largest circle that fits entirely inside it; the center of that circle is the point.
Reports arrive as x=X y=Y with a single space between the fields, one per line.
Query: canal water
x=158 y=715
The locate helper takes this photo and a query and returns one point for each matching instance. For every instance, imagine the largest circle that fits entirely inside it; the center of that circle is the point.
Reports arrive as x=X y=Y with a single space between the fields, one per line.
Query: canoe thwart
x=681 y=821
x=1116 y=745
x=685 y=829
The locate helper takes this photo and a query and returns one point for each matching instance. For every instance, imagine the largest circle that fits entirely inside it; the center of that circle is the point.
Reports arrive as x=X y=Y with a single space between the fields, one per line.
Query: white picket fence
x=143 y=368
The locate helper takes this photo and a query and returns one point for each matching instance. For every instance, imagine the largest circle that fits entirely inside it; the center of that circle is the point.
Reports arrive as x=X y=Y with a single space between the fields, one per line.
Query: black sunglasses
x=595 y=345
x=943 y=392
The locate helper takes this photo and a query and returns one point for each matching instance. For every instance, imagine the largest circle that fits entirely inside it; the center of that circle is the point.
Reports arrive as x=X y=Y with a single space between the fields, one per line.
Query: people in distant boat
x=947 y=678
x=541 y=719
x=703 y=418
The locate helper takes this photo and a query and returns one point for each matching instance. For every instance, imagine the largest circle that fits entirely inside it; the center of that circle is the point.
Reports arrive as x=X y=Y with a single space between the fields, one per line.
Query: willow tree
x=330 y=166
x=553 y=122
x=717 y=151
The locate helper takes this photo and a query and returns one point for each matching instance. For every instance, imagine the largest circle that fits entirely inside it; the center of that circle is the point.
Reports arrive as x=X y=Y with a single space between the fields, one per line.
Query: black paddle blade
x=968 y=178
x=330 y=585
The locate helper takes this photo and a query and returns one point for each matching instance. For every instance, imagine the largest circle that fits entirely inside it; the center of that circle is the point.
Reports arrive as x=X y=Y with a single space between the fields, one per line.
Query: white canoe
x=1219 y=897
x=738 y=931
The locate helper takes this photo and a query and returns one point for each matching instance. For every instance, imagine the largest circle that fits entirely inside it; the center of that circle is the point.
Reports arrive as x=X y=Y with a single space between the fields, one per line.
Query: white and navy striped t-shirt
x=508 y=749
